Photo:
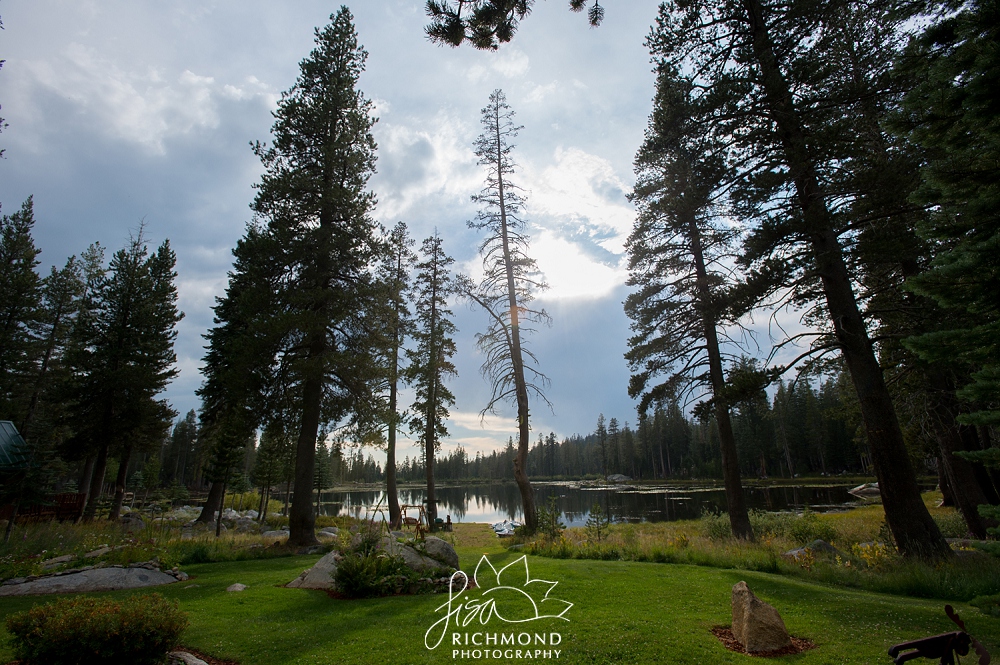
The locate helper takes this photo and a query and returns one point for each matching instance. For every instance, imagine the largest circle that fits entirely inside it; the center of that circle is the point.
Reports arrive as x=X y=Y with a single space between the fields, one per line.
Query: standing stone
x=323 y=575
x=757 y=625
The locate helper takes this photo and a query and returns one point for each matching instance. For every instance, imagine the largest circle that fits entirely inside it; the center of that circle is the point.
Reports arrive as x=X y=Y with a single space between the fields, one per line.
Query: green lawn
x=623 y=613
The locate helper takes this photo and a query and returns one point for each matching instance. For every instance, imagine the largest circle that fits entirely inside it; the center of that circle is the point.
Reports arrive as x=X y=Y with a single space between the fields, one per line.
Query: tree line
x=85 y=352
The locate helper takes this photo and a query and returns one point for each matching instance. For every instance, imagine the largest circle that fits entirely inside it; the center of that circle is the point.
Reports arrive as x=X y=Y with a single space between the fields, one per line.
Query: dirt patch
x=725 y=635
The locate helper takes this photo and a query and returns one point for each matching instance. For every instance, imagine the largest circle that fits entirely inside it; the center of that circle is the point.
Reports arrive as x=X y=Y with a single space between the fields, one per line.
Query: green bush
x=716 y=525
x=807 y=527
x=78 y=631
x=952 y=524
x=369 y=575
x=989 y=605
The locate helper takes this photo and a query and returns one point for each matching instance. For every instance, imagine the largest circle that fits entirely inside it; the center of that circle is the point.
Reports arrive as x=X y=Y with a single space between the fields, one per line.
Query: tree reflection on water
x=495 y=502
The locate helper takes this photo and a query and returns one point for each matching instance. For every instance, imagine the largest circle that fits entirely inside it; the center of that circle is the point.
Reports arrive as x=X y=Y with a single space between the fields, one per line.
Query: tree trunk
x=84 y=486
x=302 y=520
x=517 y=361
x=915 y=533
x=961 y=478
x=395 y=514
x=213 y=503
x=218 y=519
x=947 y=498
x=10 y=522
x=739 y=517
x=116 y=504
x=96 y=484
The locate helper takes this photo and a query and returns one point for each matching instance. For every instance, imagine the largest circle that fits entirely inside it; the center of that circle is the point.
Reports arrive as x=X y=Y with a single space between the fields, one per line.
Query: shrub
x=549 y=524
x=79 y=631
x=368 y=575
x=808 y=527
x=716 y=525
x=597 y=524
x=989 y=605
x=952 y=524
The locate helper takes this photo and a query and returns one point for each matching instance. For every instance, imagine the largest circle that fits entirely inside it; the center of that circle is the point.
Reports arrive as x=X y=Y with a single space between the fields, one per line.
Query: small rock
x=132 y=523
x=332 y=530
x=58 y=561
x=185 y=658
x=275 y=534
x=236 y=587
x=757 y=625
x=181 y=576
x=825 y=547
x=100 y=551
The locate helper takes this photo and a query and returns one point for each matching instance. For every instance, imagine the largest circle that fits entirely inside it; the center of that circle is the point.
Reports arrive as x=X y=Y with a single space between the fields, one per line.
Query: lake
x=640 y=503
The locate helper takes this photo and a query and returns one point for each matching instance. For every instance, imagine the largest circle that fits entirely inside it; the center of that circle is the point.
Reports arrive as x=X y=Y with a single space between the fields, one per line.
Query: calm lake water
x=645 y=503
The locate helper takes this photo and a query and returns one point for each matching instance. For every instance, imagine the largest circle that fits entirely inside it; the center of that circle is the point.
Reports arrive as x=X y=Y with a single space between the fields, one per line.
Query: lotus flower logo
x=509 y=594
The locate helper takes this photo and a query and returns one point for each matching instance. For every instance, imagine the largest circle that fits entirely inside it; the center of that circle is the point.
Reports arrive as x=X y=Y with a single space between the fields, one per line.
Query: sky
x=124 y=112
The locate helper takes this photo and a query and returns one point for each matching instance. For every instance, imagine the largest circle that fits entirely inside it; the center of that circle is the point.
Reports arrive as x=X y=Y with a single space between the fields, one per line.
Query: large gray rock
x=413 y=559
x=441 y=550
x=322 y=575
x=97 y=579
x=757 y=625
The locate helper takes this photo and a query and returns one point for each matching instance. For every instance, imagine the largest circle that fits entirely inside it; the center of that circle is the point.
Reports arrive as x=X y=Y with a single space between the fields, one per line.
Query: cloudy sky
x=122 y=111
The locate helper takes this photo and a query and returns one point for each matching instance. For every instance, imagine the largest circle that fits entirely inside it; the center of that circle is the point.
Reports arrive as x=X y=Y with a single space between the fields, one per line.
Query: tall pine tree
x=430 y=360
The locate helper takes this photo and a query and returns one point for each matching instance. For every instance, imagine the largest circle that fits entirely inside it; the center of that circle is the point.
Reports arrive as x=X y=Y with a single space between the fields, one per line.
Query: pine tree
x=676 y=253
x=602 y=442
x=757 y=56
x=45 y=411
x=951 y=114
x=307 y=256
x=394 y=280
x=430 y=361
x=19 y=307
x=124 y=355
x=511 y=279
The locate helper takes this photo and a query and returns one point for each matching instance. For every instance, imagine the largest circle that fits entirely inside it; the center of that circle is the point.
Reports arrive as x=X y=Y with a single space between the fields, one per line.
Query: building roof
x=12 y=446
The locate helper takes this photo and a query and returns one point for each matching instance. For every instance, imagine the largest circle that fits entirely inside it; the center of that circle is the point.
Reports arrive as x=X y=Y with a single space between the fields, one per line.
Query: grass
x=707 y=542
x=624 y=612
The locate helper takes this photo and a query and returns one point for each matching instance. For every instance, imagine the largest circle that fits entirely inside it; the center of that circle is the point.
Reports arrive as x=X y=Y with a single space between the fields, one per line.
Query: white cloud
x=143 y=106
x=509 y=63
x=570 y=272
x=428 y=162
x=471 y=421
x=583 y=196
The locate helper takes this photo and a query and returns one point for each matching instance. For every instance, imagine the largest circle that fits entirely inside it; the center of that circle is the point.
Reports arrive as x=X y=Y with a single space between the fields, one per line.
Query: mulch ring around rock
x=725 y=635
